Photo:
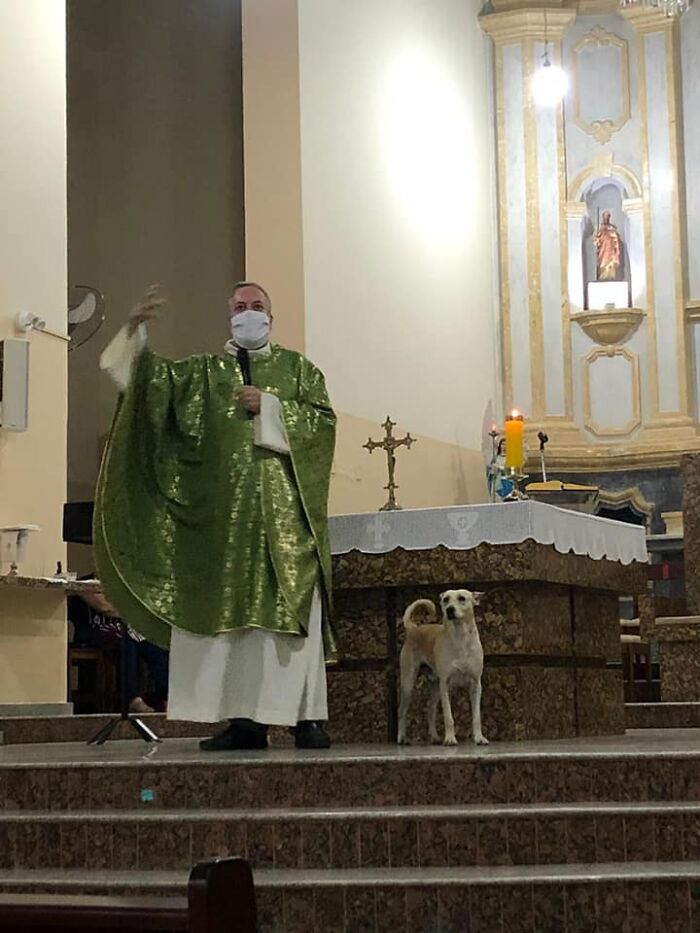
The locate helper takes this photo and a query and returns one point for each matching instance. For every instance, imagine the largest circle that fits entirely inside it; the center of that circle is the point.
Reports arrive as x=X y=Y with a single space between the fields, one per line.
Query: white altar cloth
x=465 y=527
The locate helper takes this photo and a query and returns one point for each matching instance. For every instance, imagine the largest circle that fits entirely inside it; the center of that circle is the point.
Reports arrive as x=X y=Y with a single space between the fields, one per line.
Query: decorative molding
x=604 y=129
x=593 y=7
x=608 y=458
x=506 y=342
x=636 y=419
x=632 y=497
x=692 y=312
x=534 y=243
x=652 y=378
x=632 y=206
x=680 y=243
x=644 y=18
x=576 y=210
x=564 y=253
x=515 y=25
x=609 y=328
x=623 y=174
x=501 y=6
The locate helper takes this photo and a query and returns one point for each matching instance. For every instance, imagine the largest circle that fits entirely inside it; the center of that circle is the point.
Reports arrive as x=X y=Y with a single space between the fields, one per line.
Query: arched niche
x=605 y=195
x=586 y=192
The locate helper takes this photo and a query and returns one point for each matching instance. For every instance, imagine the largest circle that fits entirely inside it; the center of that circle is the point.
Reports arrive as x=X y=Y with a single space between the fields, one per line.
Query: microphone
x=244 y=363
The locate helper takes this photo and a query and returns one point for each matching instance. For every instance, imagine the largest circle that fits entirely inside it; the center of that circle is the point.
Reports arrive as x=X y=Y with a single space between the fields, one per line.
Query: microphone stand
x=244 y=363
x=147 y=734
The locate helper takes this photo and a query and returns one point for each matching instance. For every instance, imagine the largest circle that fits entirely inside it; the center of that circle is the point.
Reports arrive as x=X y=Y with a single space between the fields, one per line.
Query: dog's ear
x=477 y=597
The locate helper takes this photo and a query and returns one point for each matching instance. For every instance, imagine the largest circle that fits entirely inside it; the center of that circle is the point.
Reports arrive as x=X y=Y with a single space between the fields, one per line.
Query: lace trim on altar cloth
x=464 y=527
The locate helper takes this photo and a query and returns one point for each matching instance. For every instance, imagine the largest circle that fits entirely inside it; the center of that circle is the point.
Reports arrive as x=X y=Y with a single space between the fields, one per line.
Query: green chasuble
x=196 y=526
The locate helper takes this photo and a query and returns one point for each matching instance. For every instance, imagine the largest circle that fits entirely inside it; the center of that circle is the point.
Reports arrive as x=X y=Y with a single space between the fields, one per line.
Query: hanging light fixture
x=669 y=7
x=550 y=82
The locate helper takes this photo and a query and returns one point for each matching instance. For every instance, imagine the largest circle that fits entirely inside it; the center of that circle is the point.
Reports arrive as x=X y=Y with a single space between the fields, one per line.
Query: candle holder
x=517 y=478
x=493 y=469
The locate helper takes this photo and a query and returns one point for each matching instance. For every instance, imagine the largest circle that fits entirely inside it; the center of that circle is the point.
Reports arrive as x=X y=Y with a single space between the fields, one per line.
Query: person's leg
x=313 y=706
x=157 y=661
x=137 y=704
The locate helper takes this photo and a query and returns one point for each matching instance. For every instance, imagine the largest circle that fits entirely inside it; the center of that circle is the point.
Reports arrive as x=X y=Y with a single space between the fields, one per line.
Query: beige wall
x=155 y=182
x=273 y=199
x=396 y=236
x=33 y=259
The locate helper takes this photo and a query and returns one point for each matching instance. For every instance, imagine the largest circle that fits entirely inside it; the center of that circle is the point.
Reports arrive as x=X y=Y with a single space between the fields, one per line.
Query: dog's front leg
x=432 y=712
x=450 y=737
x=478 y=736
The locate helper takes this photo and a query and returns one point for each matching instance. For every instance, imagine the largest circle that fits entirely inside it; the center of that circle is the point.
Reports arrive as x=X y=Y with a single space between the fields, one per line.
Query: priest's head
x=250 y=315
x=249 y=296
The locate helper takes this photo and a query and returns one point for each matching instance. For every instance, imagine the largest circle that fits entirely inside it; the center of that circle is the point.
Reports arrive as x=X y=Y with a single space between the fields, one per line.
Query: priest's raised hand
x=147 y=310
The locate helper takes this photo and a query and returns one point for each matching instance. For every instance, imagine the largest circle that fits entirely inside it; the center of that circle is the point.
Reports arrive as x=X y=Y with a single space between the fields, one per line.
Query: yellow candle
x=514 y=431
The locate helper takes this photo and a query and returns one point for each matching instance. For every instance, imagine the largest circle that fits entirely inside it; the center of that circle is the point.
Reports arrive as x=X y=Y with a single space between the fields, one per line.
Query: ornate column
x=575 y=215
x=532 y=217
x=634 y=209
x=665 y=247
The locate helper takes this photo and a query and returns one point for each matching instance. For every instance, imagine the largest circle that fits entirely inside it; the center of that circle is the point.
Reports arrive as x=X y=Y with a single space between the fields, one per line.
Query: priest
x=211 y=530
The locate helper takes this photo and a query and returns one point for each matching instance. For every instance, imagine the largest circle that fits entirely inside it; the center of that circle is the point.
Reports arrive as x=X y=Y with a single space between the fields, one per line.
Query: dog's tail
x=419 y=604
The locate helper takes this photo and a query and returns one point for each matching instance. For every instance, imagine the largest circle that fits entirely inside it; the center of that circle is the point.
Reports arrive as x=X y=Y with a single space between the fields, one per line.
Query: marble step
x=646 y=765
x=25 y=730
x=30 y=730
x=662 y=715
x=381 y=837
x=607 y=898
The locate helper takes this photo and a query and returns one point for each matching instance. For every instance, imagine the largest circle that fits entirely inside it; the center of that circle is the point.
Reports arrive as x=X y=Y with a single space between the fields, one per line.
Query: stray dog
x=453 y=653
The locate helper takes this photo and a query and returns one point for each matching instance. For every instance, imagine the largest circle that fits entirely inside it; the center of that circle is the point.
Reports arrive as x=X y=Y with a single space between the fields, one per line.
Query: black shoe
x=240 y=734
x=311 y=734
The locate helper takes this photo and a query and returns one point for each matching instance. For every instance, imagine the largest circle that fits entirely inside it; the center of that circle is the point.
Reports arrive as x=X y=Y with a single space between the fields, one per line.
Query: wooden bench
x=220 y=899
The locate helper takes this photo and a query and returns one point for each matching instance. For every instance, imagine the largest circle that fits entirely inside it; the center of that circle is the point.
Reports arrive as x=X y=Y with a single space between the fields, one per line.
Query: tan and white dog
x=452 y=650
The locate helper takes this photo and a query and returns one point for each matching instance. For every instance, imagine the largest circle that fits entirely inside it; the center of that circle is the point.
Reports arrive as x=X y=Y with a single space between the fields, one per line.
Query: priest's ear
x=477 y=597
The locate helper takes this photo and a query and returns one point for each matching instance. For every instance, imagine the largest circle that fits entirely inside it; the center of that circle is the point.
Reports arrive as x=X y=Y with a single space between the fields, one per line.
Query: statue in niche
x=608 y=244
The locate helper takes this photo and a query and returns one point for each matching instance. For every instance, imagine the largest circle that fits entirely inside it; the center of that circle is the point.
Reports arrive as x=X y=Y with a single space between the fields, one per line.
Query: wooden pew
x=220 y=899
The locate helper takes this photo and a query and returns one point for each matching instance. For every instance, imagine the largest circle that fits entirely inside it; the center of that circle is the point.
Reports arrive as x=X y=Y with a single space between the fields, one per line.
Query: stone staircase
x=601 y=835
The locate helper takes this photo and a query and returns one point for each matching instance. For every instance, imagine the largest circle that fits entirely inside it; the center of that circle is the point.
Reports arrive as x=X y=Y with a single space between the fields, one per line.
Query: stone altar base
x=678 y=638
x=549 y=624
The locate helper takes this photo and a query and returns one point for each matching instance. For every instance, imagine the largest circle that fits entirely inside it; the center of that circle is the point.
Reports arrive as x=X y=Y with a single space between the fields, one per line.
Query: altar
x=549 y=621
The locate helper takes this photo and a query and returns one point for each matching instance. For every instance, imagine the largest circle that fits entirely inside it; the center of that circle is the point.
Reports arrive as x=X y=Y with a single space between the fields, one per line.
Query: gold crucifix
x=389 y=444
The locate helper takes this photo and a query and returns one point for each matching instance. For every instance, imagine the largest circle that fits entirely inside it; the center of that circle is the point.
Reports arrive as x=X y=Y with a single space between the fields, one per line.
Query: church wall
x=690 y=62
x=33 y=278
x=155 y=175
x=397 y=184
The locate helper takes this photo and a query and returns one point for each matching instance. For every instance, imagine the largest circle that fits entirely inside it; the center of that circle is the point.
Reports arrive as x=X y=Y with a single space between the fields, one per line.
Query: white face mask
x=250 y=329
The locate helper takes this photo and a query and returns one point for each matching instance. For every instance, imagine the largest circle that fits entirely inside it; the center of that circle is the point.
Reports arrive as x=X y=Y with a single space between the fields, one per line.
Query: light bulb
x=550 y=84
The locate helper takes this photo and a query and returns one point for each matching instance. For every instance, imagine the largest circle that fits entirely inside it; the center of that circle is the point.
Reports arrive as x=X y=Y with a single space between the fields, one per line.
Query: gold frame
x=623 y=174
x=586 y=364
x=602 y=130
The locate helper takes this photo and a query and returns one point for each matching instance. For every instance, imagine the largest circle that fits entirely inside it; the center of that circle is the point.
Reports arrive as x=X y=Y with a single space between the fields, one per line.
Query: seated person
x=96 y=625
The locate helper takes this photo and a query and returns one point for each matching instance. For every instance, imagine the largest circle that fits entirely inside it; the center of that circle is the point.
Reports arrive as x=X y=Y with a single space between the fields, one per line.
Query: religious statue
x=608 y=246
